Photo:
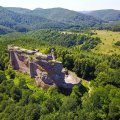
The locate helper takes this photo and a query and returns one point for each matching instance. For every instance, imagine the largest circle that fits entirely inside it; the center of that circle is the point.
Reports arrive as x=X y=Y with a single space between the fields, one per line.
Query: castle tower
x=13 y=60
x=53 y=54
x=32 y=68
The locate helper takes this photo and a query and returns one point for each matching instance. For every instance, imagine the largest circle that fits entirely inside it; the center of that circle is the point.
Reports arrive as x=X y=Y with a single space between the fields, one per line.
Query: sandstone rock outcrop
x=44 y=68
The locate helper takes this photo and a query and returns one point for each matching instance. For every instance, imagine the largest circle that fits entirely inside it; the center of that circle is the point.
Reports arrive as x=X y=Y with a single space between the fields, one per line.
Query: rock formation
x=44 y=68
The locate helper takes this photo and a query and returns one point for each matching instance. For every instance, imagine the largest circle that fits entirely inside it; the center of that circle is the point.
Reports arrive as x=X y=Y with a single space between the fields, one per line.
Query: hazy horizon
x=76 y=5
x=57 y=7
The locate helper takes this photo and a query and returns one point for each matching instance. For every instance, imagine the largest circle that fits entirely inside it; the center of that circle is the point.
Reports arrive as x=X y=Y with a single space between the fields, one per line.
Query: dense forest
x=15 y=19
x=98 y=97
x=114 y=26
x=108 y=15
x=23 y=20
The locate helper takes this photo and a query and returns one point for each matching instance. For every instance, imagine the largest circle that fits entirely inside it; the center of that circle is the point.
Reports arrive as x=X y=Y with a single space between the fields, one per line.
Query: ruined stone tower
x=44 y=68
x=53 y=54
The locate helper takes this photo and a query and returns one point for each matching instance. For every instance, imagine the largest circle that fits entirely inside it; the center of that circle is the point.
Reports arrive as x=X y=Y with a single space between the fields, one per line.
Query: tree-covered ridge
x=67 y=16
x=64 y=39
x=23 y=23
x=108 y=15
x=21 y=99
x=18 y=9
x=5 y=30
x=56 y=18
x=24 y=20
x=114 y=26
x=60 y=15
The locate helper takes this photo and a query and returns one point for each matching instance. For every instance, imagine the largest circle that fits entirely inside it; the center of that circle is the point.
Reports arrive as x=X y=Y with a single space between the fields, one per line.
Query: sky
x=77 y=5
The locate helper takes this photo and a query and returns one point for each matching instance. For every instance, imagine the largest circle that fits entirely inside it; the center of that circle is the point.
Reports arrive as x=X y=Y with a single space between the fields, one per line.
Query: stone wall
x=13 y=60
x=43 y=68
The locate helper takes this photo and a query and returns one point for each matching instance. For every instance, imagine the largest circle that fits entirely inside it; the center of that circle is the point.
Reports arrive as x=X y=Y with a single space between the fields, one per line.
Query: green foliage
x=2 y=76
x=67 y=40
x=99 y=102
x=75 y=19
x=20 y=98
x=16 y=94
x=91 y=43
x=112 y=26
x=84 y=68
x=117 y=43
x=23 y=20
x=10 y=72
x=106 y=15
x=69 y=104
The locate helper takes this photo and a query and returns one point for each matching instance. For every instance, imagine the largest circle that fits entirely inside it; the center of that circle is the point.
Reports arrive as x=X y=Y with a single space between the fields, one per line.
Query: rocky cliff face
x=44 y=68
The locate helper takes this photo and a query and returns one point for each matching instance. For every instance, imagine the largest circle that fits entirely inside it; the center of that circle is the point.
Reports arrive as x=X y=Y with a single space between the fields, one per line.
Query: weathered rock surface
x=44 y=68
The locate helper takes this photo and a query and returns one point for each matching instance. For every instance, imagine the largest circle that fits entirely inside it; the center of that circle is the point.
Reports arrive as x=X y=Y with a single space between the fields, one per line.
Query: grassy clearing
x=108 y=39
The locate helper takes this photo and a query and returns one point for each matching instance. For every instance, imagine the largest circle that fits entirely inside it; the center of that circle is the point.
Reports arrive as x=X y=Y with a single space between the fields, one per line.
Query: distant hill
x=22 y=23
x=108 y=15
x=66 y=16
x=18 y=10
x=84 y=12
x=23 y=20
x=4 y=30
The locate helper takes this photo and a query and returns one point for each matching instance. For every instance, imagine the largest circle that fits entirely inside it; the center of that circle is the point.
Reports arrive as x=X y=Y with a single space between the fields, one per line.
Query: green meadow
x=108 y=39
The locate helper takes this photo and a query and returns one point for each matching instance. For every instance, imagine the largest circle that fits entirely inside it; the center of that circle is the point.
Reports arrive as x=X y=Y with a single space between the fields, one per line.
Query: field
x=108 y=39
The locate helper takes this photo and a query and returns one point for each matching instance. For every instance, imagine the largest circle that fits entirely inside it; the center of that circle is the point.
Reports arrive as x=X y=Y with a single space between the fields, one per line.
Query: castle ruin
x=44 y=68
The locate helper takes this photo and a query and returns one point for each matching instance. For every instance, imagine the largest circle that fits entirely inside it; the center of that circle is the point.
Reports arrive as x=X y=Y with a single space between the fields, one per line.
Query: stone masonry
x=44 y=68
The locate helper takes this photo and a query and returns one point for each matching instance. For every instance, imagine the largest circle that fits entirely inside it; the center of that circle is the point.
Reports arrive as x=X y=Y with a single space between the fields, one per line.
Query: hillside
x=18 y=10
x=108 y=15
x=113 y=26
x=5 y=30
x=59 y=63
x=15 y=20
x=96 y=98
x=66 y=16
x=23 y=20
x=22 y=23
x=108 y=39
